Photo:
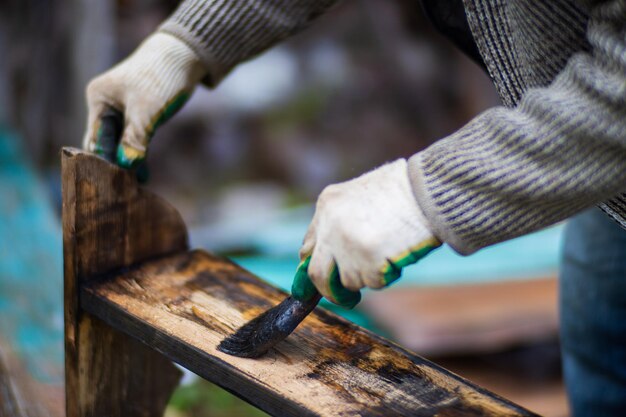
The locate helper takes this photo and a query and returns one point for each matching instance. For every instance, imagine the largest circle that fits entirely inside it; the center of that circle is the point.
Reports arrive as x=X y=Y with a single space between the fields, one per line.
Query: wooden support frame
x=133 y=289
x=108 y=224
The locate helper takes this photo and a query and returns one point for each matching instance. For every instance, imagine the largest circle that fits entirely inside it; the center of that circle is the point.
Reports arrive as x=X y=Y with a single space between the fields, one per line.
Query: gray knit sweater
x=556 y=147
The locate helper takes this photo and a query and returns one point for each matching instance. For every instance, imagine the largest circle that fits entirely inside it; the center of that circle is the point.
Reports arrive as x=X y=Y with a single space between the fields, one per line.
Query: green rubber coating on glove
x=170 y=109
x=124 y=160
x=302 y=288
x=394 y=269
x=344 y=297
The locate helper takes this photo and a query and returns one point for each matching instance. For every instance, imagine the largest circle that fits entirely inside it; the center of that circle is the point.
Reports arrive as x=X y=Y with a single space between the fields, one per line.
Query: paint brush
x=110 y=132
x=260 y=334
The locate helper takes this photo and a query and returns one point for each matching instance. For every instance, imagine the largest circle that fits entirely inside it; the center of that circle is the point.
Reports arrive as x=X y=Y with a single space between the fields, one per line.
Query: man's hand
x=363 y=233
x=148 y=87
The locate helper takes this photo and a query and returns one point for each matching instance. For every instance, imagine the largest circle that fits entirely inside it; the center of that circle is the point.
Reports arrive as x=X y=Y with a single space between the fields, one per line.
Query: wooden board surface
x=183 y=305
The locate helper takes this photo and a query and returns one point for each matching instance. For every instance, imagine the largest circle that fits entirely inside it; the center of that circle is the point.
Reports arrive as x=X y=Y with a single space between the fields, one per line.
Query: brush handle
x=292 y=312
x=308 y=305
x=110 y=133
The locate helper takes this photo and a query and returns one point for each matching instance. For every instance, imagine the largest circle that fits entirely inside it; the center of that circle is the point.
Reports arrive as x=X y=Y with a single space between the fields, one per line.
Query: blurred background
x=369 y=82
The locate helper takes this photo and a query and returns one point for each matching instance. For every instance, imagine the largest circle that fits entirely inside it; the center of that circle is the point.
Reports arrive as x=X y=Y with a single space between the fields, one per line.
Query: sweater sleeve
x=510 y=172
x=226 y=32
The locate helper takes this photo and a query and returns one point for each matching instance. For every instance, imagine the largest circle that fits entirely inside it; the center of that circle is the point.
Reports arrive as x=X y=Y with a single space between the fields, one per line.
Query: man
x=556 y=147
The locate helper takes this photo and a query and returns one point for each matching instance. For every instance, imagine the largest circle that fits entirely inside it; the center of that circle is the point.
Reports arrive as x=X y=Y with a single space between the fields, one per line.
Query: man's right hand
x=148 y=87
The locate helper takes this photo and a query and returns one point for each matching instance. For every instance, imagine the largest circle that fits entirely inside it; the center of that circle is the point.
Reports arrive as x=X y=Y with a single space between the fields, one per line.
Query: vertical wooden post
x=110 y=223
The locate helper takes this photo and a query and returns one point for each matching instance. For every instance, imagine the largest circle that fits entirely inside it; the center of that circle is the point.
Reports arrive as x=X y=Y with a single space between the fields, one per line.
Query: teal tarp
x=276 y=241
x=31 y=275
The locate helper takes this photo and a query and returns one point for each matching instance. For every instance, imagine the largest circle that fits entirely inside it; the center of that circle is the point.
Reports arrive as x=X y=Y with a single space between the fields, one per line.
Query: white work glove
x=148 y=87
x=364 y=232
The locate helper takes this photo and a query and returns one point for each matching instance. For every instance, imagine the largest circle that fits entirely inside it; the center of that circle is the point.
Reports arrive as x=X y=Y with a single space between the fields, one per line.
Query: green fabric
x=170 y=109
x=394 y=268
x=303 y=289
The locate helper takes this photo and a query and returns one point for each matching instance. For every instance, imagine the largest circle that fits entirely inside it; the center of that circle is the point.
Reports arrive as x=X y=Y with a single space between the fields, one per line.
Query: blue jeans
x=593 y=315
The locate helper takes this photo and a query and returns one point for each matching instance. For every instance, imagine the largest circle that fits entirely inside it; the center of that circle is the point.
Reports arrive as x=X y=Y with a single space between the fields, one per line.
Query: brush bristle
x=259 y=335
x=248 y=340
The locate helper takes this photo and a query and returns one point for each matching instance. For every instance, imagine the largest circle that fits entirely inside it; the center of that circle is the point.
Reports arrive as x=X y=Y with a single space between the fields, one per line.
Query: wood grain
x=110 y=223
x=184 y=304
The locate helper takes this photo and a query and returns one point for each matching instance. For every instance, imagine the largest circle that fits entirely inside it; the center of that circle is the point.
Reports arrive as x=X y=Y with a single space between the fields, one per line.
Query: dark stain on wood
x=184 y=304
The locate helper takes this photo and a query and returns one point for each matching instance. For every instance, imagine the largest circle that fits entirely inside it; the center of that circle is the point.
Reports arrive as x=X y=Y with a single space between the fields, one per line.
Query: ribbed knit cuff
x=215 y=71
x=226 y=33
x=429 y=208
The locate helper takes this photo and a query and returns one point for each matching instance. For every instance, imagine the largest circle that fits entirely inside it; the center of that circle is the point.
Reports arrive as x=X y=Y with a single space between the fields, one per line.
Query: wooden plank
x=183 y=305
x=109 y=223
